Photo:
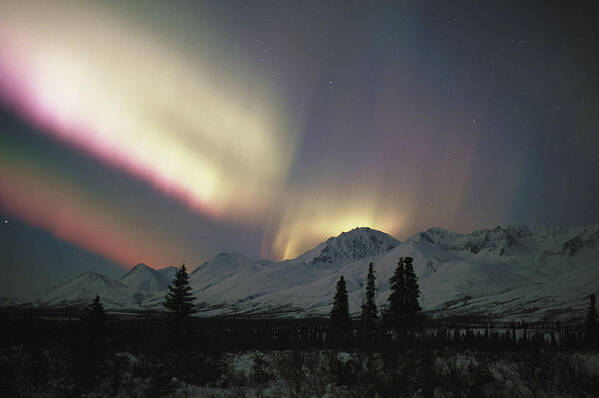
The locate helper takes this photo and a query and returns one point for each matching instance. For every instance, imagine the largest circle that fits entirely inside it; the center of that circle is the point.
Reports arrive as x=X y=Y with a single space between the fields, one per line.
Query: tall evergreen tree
x=179 y=300
x=413 y=309
x=404 y=309
x=396 y=309
x=369 y=310
x=340 y=321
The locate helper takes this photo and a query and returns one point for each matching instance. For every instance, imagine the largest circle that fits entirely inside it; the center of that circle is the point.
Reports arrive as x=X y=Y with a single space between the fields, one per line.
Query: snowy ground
x=328 y=374
x=465 y=374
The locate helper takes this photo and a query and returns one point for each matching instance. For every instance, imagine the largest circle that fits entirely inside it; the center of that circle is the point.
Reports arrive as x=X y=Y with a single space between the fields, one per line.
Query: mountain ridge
x=507 y=271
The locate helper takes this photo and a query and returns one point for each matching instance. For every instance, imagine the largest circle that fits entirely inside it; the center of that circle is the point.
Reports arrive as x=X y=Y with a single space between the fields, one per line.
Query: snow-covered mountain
x=168 y=273
x=510 y=272
x=141 y=277
x=83 y=288
x=354 y=245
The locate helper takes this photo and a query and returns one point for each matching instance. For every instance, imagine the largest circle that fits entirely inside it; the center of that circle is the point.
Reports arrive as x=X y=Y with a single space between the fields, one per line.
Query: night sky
x=162 y=132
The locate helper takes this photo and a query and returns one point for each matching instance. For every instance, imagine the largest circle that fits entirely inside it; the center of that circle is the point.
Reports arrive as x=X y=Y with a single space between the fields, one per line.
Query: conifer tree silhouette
x=369 y=314
x=396 y=310
x=413 y=309
x=404 y=311
x=95 y=315
x=340 y=321
x=179 y=302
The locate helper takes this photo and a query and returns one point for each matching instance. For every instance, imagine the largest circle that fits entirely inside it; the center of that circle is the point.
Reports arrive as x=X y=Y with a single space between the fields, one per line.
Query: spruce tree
x=413 y=310
x=369 y=310
x=404 y=309
x=340 y=321
x=95 y=316
x=396 y=309
x=179 y=300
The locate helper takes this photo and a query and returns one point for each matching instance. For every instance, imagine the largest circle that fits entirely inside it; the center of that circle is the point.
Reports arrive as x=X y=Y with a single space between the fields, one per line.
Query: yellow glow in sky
x=313 y=217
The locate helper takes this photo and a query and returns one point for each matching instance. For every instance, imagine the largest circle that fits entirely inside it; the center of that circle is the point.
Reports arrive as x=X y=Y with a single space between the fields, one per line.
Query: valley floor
x=327 y=373
x=148 y=357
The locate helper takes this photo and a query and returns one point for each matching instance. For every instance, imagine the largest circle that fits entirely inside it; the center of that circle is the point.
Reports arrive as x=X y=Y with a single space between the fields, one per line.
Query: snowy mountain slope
x=132 y=291
x=513 y=271
x=354 y=245
x=141 y=277
x=222 y=266
x=508 y=271
x=168 y=273
x=83 y=288
x=256 y=286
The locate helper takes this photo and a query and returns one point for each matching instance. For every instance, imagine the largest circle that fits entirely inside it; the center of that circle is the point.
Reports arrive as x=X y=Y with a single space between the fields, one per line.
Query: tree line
x=81 y=351
x=402 y=315
x=401 y=320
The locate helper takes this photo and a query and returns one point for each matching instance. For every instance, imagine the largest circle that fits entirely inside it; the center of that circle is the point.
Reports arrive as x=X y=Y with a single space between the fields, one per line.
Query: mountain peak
x=498 y=239
x=512 y=239
x=142 y=277
x=83 y=288
x=492 y=265
x=139 y=268
x=89 y=275
x=356 y=244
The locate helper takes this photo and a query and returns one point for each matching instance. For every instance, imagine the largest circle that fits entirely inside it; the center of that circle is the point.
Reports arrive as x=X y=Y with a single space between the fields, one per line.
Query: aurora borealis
x=159 y=132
